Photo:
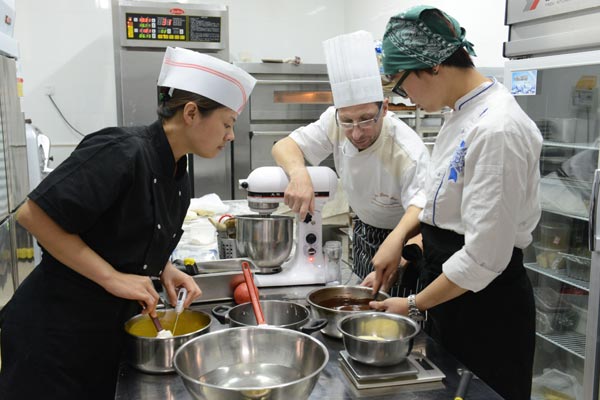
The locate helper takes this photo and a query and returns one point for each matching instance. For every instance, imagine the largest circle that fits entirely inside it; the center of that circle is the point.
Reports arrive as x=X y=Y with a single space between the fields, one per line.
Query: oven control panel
x=193 y=26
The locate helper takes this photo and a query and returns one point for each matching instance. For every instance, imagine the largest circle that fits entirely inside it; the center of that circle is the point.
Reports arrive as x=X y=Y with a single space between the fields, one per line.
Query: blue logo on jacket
x=458 y=161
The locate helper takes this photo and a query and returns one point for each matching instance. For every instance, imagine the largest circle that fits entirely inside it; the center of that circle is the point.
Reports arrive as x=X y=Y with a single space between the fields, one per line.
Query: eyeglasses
x=366 y=124
x=398 y=86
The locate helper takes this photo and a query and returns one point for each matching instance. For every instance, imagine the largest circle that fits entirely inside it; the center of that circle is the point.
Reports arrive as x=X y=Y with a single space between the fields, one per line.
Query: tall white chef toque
x=207 y=76
x=353 y=71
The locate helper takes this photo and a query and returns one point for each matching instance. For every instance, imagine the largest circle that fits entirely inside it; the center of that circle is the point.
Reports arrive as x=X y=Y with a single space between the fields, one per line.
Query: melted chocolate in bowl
x=347 y=304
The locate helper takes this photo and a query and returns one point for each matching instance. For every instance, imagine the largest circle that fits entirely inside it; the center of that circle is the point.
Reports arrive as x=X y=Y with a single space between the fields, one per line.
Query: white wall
x=67 y=47
x=482 y=19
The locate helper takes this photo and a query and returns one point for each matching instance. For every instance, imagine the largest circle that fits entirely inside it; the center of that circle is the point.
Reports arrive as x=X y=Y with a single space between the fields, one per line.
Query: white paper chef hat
x=207 y=76
x=353 y=70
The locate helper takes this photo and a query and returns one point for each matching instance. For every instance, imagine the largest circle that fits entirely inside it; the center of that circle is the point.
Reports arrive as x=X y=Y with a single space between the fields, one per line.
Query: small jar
x=333 y=255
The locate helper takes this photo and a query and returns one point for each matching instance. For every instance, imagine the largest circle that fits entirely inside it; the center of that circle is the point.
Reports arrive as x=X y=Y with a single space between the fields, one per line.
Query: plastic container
x=577 y=267
x=198 y=253
x=578 y=303
x=227 y=248
x=555 y=235
x=548 y=257
x=580 y=326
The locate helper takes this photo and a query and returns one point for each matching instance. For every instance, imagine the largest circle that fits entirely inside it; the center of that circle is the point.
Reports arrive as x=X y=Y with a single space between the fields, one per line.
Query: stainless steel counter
x=332 y=384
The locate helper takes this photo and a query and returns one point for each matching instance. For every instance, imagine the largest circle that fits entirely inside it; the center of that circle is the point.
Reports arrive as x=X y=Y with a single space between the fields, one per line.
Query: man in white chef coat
x=381 y=161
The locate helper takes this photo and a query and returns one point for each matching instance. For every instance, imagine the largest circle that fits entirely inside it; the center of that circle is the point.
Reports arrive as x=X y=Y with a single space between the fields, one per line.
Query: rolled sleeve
x=465 y=272
x=418 y=200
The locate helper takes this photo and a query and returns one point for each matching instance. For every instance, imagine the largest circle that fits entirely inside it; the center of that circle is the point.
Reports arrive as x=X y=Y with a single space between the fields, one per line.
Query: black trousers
x=492 y=332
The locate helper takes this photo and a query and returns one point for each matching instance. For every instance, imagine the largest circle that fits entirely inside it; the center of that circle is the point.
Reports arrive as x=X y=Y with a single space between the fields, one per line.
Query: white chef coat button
x=145 y=266
x=154 y=180
x=158 y=226
x=174 y=235
x=180 y=193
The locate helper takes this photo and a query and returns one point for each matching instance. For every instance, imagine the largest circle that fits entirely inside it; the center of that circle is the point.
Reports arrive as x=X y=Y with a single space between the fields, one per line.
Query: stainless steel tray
x=218 y=286
x=218 y=278
x=225 y=265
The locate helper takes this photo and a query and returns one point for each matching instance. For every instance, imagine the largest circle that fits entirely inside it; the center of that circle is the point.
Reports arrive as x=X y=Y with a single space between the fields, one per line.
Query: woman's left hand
x=172 y=278
x=396 y=305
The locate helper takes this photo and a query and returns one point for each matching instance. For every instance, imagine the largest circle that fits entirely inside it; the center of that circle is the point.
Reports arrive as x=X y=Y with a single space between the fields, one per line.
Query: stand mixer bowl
x=265 y=239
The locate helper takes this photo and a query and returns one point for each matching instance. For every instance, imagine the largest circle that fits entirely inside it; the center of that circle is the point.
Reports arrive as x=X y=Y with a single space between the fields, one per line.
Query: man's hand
x=300 y=195
x=385 y=286
x=386 y=261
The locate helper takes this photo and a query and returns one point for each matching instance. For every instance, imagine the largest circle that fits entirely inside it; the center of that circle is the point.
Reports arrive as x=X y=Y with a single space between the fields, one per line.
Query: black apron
x=61 y=338
x=492 y=332
x=366 y=240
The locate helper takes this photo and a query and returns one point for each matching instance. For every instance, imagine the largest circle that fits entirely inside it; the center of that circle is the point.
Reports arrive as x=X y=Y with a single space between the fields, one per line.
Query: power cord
x=62 y=116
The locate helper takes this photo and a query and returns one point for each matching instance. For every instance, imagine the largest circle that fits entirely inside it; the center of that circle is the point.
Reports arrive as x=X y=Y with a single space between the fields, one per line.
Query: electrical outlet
x=49 y=90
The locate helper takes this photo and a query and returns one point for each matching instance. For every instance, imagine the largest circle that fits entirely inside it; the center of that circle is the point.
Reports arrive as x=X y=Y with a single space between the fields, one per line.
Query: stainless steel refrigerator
x=592 y=375
x=554 y=73
x=16 y=244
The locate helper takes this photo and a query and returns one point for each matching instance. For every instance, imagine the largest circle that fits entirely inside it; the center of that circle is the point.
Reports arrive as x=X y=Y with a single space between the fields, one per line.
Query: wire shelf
x=570 y=341
x=559 y=276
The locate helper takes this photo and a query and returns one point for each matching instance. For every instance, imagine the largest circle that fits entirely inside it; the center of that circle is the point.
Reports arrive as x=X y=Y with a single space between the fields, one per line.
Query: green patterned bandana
x=417 y=40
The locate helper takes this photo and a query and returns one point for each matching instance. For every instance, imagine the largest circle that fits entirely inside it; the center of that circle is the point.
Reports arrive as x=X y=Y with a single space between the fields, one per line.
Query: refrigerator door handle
x=594 y=242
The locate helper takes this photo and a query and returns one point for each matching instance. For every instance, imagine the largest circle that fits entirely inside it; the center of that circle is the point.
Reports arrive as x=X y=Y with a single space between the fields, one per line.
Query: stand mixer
x=266 y=187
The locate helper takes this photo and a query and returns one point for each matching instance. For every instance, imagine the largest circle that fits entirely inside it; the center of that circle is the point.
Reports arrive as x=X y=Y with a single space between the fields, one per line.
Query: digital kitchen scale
x=415 y=369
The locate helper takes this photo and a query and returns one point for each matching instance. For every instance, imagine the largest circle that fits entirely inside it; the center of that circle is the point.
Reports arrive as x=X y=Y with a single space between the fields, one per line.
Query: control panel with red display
x=173 y=28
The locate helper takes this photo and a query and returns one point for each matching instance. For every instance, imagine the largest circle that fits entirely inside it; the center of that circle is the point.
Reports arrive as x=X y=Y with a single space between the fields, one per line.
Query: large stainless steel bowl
x=279 y=313
x=150 y=354
x=266 y=239
x=251 y=363
x=336 y=302
x=378 y=339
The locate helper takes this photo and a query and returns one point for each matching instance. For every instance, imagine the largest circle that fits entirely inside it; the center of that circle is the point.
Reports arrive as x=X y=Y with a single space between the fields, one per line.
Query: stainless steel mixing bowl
x=266 y=239
x=279 y=313
x=155 y=355
x=335 y=302
x=251 y=363
x=377 y=338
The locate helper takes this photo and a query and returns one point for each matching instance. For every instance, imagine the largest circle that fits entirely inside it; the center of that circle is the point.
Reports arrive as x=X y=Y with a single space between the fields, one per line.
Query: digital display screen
x=524 y=83
x=173 y=27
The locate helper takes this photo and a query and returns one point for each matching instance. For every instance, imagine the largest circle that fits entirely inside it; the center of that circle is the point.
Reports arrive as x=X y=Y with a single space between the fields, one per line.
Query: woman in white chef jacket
x=482 y=203
x=380 y=160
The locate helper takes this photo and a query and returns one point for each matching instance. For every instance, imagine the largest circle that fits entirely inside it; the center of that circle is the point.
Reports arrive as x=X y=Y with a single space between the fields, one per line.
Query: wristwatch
x=413 y=312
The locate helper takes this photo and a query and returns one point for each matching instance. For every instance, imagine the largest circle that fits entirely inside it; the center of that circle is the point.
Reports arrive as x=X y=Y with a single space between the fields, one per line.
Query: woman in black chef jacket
x=108 y=219
x=482 y=203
